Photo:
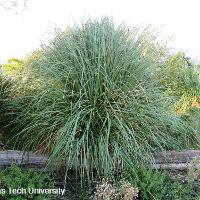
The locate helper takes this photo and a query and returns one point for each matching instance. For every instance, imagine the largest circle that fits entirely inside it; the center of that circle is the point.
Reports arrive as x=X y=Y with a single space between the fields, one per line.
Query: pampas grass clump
x=98 y=104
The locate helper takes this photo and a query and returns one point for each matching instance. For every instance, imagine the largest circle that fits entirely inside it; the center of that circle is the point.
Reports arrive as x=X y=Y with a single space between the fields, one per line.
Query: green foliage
x=154 y=185
x=12 y=67
x=177 y=190
x=149 y=183
x=19 y=72
x=98 y=103
x=15 y=177
x=193 y=118
x=16 y=80
x=8 y=110
x=180 y=78
x=5 y=90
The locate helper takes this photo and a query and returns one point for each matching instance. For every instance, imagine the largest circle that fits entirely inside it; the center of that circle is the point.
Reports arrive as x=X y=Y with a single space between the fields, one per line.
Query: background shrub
x=154 y=185
x=16 y=81
x=15 y=177
x=12 y=67
x=180 y=79
x=5 y=91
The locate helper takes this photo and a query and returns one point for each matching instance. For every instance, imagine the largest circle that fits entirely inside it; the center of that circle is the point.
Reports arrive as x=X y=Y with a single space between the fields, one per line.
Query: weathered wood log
x=176 y=166
x=24 y=159
x=176 y=157
x=165 y=160
x=174 y=160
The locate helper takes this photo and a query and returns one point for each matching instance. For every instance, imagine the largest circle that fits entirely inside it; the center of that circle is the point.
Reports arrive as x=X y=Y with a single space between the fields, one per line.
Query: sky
x=24 y=32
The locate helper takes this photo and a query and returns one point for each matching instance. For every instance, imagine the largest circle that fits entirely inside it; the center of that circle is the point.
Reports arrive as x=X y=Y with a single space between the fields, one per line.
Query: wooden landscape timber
x=172 y=160
x=23 y=159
